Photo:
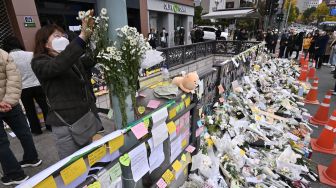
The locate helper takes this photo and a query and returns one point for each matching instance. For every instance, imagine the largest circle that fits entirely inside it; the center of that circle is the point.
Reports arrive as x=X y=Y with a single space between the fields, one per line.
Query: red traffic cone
x=311 y=98
x=302 y=60
x=321 y=116
x=312 y=70
x=325 y=142
x=328 y=174
x=303 y=74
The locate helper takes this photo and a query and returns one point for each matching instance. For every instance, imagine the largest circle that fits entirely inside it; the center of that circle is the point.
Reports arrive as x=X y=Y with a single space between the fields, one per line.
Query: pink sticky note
x=153 y=104
x=220 y=89
x=190 y=149
x=161 y=183
x=199 y=131
x=178 y=127
x=139 y=130
x=221 y=99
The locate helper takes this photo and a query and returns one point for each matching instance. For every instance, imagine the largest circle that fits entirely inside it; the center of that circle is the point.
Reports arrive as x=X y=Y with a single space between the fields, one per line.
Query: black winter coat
x=65 y=82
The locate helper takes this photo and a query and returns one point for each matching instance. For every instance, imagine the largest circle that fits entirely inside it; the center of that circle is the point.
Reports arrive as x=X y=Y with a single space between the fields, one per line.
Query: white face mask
x=59 y=44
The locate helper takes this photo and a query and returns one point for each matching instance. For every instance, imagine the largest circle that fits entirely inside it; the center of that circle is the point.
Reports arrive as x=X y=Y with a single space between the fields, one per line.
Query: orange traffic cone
x=328 y=174
x=321 y=116
x=325 y=142
x=311 y=97
x=312 y=70
x=302 y=60
x=307 y=58
x=303 y=74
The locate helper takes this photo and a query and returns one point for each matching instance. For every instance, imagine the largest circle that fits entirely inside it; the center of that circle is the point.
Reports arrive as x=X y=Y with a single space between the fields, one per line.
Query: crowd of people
x=57 y=76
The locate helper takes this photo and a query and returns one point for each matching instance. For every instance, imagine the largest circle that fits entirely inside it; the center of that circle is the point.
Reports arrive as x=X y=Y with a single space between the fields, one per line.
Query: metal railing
x=179 y=55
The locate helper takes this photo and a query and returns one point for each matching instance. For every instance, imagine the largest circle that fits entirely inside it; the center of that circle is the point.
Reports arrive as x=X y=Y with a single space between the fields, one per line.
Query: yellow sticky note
x=187 y=102
x=188 y=157
x=209 y=141
x=95 y=185
x=49 y=182
x=184 y=143
x=185 y=171
x=168 y=176
x=171 y=127
x=146 y=122
x=242 y=152
x=73 y=171
x=97 y=155
x=183 y=96
x=184 y=158
x=172 y=113
x=177 y=166
x=258 y=118
x=116 y=143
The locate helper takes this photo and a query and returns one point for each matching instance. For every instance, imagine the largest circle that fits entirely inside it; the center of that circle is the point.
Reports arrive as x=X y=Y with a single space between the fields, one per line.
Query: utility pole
x=290 y=5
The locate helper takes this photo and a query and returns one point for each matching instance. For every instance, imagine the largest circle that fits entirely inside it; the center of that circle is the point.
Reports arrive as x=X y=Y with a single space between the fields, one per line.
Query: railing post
x=183 y=54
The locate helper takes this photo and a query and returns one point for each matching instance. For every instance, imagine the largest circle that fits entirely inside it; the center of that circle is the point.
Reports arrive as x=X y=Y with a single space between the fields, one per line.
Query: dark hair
x=41 y=38
x=12 y=43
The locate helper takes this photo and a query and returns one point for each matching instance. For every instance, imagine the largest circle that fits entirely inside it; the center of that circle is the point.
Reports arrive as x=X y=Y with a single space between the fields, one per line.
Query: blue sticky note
x=199 y=123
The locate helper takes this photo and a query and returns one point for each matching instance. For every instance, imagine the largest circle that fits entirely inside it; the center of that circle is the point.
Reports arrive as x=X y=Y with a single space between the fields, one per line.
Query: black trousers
x=27 y=97
x=282 y=51
x=318 y=61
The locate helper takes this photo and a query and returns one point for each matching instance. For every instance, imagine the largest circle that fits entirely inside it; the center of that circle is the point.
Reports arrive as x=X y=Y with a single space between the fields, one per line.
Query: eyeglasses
x=60 y=35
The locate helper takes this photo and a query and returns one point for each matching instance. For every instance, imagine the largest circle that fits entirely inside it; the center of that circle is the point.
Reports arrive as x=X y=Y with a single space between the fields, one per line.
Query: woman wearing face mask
x=61 y=67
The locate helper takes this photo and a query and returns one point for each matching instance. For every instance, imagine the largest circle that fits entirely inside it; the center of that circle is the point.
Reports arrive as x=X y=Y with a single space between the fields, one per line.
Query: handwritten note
x=175 y=148
x=125 y=159
x=187 y=102
x=177 y=165
x=139 y=161
x=116 y=143
x=161 y=183
x=199 y=123
x=153 y=104
x=168 y=176
x=156 y=157
x=73 y=171
x=220 y=89
x=115 y=172
x=95 y=185
x=49 y=182
x=190 y=149
x=160 y=134
x=171 y=127
x=159 y=116
x=184 y=143
x=139 y=130
x=184 y=158
x=172 y=113
x=96 y=155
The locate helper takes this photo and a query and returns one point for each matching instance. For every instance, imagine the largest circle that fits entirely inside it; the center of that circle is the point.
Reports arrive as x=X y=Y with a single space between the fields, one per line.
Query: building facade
x=313 y=3
x=24 y=19
x=302 y=5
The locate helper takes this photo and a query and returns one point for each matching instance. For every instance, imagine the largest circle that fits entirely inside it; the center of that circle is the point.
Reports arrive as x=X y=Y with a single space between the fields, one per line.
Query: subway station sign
x=174 y=7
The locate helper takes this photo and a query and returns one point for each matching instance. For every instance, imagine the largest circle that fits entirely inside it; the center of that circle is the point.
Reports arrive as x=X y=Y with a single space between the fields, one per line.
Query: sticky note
x=153 y=104
x=172 y=113
x=139 y=130
x=115 y=172
x=184 y=143
x=184 y=158
x=183 y=96
x=49 y=182
x=199 y=123
x=220 y=89
x=73 y=171
x=95 y=185
x=141 y=109
x=178 y=108
x=187 y=102
x=146 y=123
x=188 y=158
x=209 y=141
x=257 y=118
x=116 y=143
x=171 y=127
x=161 y=183
x=199 y=131
x=110 y=114
x=96 y=155
x=190 y=149
x=168 y=176
x=125 y=160
x=221 y=100
x=242 y=152
x=177 y=166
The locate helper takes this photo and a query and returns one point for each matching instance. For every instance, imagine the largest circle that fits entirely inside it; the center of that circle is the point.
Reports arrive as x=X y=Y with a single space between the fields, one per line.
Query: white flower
x=132 y=43
x=118 y=58
x=87 y=13
x=123 y=48
x=103 y=11
x=81 y=15
x=119 y=53
x=109 y=49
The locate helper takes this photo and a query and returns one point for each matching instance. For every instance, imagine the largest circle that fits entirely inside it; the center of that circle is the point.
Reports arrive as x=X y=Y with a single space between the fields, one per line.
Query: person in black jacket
x=274 y=42
x=242 y=35
x=268 y=40
x=260 y=35
x=320 y=47
x=61 y=70
x=290 y=44
x=283 y=44
x=312 y=45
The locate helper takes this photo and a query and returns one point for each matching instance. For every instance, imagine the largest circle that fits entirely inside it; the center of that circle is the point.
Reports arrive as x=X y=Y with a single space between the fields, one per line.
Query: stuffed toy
x=187 y=83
